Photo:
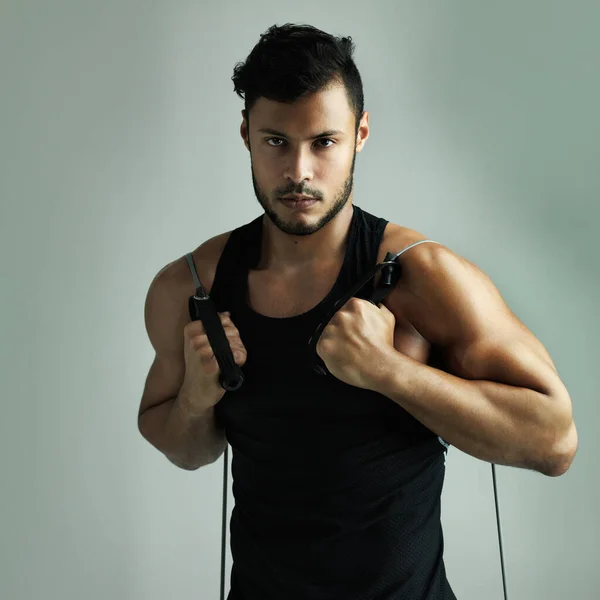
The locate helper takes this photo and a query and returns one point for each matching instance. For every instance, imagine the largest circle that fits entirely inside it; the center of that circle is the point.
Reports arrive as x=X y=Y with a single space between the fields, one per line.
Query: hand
x=201 y=367
x=357 y=343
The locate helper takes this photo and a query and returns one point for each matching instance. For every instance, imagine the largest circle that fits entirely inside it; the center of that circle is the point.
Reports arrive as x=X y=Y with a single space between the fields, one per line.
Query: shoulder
x=206 y=257
x=455 y=305
x=438 y=286
x=166 y=304
x=448 y=299
x=397 y=238
x=177 y=274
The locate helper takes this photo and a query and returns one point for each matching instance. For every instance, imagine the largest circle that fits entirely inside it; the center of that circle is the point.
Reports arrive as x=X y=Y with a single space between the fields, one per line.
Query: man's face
x=287 y=157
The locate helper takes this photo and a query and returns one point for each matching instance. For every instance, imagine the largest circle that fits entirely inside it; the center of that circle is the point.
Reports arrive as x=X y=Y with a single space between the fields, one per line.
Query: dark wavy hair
x=292 y=61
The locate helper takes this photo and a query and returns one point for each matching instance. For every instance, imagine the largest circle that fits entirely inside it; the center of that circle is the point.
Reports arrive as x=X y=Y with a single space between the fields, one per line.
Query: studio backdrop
x=120 y=152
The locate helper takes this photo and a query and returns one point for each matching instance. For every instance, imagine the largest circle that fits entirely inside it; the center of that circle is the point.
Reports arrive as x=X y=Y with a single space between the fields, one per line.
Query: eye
x=326 y=140
x=268 y=140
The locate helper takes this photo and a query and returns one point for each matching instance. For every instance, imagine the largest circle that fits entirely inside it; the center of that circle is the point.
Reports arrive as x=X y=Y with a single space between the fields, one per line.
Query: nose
x=298 y=167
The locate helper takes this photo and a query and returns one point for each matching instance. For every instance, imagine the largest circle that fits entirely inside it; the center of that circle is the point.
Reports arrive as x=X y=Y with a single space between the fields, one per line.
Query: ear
x=363 y=131
x=244 y=130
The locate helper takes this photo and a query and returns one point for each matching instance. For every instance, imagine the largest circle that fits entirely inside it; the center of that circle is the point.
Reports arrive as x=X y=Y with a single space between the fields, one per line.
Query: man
x=337 y=479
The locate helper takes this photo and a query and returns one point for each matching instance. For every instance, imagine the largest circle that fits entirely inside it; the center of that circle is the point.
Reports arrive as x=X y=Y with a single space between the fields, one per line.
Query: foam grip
x=231 y=376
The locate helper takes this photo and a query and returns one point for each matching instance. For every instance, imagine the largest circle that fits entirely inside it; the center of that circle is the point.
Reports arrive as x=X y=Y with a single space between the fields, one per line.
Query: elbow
x=185 y=466
x=558 y=443
x=558 y=466
x=561 y=453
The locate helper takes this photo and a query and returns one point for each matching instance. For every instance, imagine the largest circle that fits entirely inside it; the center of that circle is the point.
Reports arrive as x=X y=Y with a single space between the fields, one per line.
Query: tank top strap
x=241 y=252
x=366 y=234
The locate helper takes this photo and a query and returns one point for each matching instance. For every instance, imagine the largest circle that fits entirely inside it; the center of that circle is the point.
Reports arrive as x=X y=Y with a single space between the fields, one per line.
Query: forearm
x=188 y=440
x=495 y=422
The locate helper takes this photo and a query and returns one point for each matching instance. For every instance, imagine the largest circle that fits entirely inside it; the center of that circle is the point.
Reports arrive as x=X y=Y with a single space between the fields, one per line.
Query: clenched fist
x=201 y=367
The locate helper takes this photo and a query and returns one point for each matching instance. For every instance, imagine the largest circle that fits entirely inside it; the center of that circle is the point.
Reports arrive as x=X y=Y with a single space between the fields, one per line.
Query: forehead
x=326 y=109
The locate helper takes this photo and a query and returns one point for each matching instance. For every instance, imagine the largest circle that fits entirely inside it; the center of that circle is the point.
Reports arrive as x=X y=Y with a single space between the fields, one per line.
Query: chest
x=280 y=297
x=285 y=297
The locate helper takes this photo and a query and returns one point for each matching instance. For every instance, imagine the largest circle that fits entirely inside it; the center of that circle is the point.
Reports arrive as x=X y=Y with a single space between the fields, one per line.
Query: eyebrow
x=328 y=133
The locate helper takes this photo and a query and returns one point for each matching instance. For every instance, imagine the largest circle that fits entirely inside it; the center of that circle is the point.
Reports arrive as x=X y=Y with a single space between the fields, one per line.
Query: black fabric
x=337 y=489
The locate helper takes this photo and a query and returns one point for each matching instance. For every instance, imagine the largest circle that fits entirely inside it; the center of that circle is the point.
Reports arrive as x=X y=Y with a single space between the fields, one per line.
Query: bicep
x=456 y=306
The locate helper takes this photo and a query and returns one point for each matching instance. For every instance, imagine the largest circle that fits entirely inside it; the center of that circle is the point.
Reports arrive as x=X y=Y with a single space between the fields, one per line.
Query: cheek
x=332 y=174
x=263 y=174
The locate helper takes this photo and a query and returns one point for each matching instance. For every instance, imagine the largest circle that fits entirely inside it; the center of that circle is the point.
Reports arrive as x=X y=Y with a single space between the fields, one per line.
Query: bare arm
x=501 y=399
x=176 y=415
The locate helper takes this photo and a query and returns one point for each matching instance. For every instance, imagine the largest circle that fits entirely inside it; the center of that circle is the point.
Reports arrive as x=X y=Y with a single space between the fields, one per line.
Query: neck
x=288 y=253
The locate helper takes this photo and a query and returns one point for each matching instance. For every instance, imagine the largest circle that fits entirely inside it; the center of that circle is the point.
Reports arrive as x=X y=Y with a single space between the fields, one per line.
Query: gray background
x=120 y=151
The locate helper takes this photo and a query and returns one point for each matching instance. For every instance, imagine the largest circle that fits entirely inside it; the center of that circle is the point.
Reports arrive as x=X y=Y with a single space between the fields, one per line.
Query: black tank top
x=337 y=489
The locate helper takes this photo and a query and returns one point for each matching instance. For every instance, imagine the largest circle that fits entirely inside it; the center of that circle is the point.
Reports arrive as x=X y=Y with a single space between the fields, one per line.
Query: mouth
x=298 y=201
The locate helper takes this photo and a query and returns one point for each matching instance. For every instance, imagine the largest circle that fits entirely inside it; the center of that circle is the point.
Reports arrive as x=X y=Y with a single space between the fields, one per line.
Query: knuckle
x=205 y=354
x=199 y=341
x=194 y=328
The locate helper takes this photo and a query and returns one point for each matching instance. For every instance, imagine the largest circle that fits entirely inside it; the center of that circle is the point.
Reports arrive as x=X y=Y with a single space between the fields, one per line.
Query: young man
x=337 y=479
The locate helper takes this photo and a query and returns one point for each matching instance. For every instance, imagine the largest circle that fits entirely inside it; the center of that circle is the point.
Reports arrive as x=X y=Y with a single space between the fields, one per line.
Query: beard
x=296 y=227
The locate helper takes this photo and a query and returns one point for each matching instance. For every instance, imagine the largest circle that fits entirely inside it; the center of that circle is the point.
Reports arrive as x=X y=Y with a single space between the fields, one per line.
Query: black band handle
x=203 y=309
